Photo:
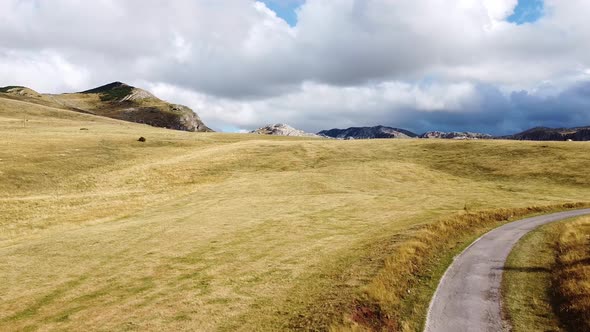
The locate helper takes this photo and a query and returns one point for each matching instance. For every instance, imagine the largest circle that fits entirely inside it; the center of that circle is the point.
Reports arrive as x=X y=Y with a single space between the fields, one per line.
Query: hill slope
x=231 y=232
x=553 y=134
x=118 y=101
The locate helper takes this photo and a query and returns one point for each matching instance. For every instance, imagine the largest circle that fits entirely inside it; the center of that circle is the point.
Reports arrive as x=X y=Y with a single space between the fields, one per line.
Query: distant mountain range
x=389 y=132
x=115 y=100
x=455 y=135
x=534 y=134
x=124 y=102
x=367 y=132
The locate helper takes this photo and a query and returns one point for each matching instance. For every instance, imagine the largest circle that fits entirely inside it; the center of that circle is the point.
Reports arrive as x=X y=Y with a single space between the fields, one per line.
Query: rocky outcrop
x=552 y=134
x=455 y=135
x=281 y=129
x=187 y=119
x=367 y=133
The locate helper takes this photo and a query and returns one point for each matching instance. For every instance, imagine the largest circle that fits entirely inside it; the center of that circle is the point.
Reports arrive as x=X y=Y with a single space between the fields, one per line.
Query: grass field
x=546 y=286
x=571 y=276
x=527 y=290
x=208 y=231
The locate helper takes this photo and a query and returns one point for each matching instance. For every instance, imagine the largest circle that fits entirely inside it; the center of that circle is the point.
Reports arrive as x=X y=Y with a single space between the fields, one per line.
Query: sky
x=494 y=66
x=285 y=9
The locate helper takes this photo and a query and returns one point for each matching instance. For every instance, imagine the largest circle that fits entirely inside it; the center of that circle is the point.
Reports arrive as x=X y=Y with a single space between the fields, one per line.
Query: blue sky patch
x=527 y=11
x=285 y=9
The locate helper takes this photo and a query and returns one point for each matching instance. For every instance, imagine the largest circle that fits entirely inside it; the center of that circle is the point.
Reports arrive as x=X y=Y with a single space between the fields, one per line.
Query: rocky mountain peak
x=120 y=92
x=455 y=135
x=367 y=133
x=281 y=129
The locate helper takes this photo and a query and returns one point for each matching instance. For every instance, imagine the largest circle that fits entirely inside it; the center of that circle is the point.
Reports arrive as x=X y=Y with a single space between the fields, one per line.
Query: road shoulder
x=526 y=283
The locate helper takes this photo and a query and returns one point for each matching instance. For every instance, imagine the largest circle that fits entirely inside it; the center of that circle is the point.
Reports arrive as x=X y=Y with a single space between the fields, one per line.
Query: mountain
x=367 y=132
x=455 y=135
x=116 y=100
x=552 y=134
x=280 y=129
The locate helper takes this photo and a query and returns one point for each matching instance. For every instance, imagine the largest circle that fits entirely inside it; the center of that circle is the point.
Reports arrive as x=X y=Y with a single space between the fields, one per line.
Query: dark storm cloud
x=570 y=108
x=501 y=115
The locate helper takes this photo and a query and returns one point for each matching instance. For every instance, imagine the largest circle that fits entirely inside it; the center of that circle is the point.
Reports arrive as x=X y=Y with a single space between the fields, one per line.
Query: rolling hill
x=553 y=134
x=212 y=231
x=118 y=101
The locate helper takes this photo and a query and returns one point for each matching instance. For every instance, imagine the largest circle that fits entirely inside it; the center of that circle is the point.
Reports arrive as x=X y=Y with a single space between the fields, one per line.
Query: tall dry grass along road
x=468 y=297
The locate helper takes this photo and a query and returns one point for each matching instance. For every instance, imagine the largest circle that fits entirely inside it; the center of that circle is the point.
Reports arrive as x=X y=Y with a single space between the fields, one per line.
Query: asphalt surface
x=468 y=296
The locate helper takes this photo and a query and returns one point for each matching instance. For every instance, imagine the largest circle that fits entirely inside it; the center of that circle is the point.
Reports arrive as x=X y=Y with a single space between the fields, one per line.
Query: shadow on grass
x=531 y=269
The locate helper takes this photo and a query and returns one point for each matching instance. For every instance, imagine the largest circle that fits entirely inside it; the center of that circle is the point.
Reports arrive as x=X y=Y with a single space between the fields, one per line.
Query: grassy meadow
x=571 y=276
x=546 y=285
x=211 y=231
x=526 y=286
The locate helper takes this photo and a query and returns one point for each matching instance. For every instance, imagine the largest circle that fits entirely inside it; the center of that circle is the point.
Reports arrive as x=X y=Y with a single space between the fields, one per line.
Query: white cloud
x=347 y=62
x=327 y=105
x=499 y=10
x=45 y=70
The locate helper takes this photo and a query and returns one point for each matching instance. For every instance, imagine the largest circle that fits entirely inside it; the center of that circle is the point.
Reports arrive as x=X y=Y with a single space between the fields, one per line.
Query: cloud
x=422 y=107
x=39 y=70
x=499 y=10
x=419 y=64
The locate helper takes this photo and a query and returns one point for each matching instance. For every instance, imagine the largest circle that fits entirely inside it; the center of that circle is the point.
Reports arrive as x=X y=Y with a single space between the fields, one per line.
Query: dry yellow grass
x=571 y=275
x=241 y=232
x=397 y=297
x=527 y=295
x=547 y=282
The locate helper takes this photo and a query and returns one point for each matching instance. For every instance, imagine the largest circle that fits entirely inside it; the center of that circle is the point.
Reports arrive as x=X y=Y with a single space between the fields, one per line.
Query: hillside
x=213 y=231
x=367 y=133
x=553 y=134
x=118 y=101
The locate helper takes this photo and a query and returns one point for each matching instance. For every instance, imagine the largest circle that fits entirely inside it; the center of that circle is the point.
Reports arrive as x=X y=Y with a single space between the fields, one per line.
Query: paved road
x=468 y=296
